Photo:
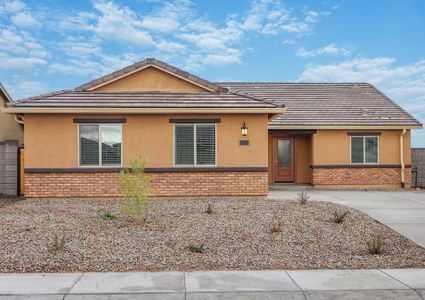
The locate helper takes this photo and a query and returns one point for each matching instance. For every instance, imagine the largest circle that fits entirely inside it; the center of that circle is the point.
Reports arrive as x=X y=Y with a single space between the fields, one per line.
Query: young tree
x=135 y=187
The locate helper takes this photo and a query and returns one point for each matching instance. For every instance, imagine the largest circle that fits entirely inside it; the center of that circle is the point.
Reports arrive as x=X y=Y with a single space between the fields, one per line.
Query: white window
x=195 y=145
x=364 y=149
x=100 y=144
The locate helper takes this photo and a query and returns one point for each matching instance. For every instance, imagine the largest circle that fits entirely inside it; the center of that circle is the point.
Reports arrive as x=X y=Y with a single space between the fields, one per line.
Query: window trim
x=364 y=149
x=195 y=163
x=100 y=165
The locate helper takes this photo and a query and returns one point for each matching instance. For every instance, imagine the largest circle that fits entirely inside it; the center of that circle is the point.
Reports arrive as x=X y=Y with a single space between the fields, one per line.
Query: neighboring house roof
x=5 y=94
x=150 y=62
x=328 y=103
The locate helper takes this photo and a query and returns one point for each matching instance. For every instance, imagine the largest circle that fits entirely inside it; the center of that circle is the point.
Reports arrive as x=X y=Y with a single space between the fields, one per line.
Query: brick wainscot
x=382 y=176
x=55 y=183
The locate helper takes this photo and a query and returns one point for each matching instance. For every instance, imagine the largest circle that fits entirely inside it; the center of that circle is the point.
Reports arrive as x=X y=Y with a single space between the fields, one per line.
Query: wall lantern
x=244 y=129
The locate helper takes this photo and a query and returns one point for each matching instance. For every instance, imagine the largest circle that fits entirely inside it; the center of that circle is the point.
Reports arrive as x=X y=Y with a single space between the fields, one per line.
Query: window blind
x=184 y=139
x=205 y=144
x=111 y=144
x=89 y=145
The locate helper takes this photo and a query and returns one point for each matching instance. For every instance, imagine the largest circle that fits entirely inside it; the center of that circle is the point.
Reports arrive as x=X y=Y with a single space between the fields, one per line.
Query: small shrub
x=209 y=209
x=107 y=215
x=135 y=187
x=56 y=243
x=376 y=246
x=303 y=197
x=339 y=217
x=196 y=249
x=276 y=225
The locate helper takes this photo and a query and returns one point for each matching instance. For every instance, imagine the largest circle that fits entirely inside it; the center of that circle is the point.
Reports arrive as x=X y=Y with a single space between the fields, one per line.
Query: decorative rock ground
x=236 y=236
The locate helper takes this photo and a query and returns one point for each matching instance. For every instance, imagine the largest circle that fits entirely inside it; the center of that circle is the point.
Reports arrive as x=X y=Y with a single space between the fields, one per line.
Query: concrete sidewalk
x=318 y=284
x=403 y=211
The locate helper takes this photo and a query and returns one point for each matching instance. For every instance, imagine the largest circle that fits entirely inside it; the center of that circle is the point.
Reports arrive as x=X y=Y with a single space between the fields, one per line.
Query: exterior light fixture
x=244 y=129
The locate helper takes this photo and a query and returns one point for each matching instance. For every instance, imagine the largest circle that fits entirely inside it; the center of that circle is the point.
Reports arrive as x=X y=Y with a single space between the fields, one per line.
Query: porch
x=290 y=158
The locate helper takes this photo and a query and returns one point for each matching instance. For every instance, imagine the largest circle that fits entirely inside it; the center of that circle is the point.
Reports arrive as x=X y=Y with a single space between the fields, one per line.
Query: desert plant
x=339 y=217
x=303 y=197
x=107 y=215
x=276 y=225
x=135 y=187
x=196 y=249
x=376 y=246
x=209 y=209
x=56 y=243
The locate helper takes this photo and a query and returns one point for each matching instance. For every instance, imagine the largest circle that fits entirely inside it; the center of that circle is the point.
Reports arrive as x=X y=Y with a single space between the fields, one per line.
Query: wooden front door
x=283 y=159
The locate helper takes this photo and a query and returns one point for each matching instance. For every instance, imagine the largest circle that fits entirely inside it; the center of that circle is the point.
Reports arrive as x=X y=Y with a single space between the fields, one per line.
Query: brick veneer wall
x=360 y=176
x=45 y=185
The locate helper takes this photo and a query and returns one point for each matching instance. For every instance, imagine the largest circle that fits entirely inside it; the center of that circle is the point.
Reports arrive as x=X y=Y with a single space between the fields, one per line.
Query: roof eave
x=171 y=110
x=348 y=126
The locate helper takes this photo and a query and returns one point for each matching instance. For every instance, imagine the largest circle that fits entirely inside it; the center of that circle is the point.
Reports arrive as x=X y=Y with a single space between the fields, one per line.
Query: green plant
x=339 y=217
x=56 y=243
x=376 y=246
x=135 y=187
x=303 y=197
x=107 y=215
x=276 y=225
x=209 y=209
x=196 y=249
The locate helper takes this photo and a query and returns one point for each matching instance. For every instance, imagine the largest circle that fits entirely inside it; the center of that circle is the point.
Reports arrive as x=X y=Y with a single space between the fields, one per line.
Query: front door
x=283 y=159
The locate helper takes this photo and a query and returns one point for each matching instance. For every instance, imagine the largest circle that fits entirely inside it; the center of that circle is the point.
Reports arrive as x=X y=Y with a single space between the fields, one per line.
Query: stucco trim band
x=355 y=166
x=148 y=170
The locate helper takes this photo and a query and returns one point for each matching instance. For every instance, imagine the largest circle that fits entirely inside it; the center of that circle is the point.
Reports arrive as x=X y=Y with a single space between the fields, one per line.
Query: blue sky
x=50 y=45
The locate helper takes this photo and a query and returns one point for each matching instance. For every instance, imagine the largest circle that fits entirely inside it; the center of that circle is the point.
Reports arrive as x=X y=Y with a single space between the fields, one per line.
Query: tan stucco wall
x=302 y=159
x=150 y=79
x=332 y=147
x=9 y=129
x=51 y=140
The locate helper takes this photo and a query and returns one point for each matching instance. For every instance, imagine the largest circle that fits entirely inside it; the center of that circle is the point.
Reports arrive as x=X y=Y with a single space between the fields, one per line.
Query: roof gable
x=150 y=75
x=4 y=94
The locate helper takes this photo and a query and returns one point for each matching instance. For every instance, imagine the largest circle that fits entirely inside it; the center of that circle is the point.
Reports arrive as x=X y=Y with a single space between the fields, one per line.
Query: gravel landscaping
x=67 y=235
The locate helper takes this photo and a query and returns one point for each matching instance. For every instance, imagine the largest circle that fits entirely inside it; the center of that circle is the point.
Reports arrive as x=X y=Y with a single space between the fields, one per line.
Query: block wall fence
x=418 y=162
x=9 y=167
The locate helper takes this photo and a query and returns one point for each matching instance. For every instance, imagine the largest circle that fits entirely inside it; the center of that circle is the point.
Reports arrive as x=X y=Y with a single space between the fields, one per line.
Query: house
x=205 y=138
x=11 y=136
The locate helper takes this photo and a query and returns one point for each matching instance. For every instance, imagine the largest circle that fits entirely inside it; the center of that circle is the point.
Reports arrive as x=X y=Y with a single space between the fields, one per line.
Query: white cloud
x=19 y=42
x=12 y=6
x=331 y=49
x=24 y=19
x=27 y=89
x=403 y=83
x=19 y=63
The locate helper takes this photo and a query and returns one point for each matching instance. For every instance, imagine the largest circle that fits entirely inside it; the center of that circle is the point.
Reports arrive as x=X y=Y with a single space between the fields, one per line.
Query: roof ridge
x=290 y=82
x=247 y=95
x=54 y=93
x=151 y=62
x=5 y=93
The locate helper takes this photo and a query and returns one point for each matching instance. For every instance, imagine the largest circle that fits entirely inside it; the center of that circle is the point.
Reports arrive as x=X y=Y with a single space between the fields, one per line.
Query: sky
x=52 y=45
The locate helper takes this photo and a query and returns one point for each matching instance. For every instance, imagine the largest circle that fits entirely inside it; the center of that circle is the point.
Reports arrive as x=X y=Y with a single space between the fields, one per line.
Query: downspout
x=402 y=183
x=18 y=119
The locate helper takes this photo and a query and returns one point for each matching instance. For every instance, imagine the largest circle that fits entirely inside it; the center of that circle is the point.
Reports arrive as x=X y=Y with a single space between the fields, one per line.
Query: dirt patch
x=236 y=235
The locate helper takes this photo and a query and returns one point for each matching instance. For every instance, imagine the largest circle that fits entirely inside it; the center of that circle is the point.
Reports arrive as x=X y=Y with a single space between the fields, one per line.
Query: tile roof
x=156 y=63
x=75 y=99
x=327 y=103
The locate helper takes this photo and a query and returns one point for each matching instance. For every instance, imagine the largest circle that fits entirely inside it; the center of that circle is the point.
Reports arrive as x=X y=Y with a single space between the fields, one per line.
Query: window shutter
x=111 y=144
x=184 y=145
x=205 y=144
x=89 y=145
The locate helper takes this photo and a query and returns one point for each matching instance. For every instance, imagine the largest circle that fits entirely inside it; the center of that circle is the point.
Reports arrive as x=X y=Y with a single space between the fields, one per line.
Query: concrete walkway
x=403 y=211
x=319 y=284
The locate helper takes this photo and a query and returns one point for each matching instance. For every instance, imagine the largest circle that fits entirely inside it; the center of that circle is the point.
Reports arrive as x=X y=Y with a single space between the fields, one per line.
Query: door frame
x=275 y=137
